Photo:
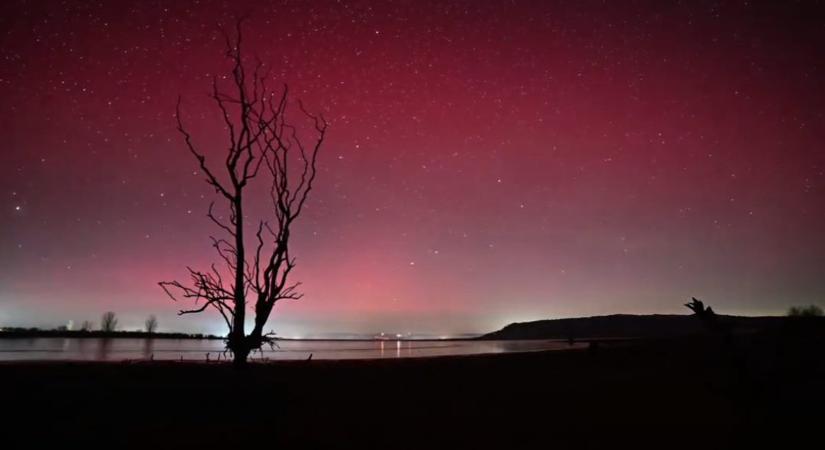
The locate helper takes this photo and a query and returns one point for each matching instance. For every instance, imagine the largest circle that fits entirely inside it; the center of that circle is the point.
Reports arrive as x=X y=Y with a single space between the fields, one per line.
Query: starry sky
x=487 y=161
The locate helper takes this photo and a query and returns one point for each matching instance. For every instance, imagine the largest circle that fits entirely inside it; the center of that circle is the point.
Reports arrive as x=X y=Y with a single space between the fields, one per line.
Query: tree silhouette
x=108 y=322
x=805 y=311
x=260 y=141
x=709 y=318
x=699 y=308
x=151 y=324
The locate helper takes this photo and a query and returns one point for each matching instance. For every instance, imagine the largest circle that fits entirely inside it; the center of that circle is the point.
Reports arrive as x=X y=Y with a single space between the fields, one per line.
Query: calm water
x=94 y=349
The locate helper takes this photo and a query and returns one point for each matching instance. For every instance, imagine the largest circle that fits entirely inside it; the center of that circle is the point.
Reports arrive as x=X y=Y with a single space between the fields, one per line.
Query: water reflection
x=81 y=345
x=103 y=349
x=118 y=349
x=148 y=348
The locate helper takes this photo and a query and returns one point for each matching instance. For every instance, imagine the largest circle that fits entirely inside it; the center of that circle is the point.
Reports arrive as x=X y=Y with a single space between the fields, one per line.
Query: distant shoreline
x=24 y=333
x=144 y=335
x=37 y=333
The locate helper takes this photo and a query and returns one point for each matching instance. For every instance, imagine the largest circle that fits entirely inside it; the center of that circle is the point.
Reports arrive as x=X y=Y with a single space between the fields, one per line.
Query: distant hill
x=625 y=326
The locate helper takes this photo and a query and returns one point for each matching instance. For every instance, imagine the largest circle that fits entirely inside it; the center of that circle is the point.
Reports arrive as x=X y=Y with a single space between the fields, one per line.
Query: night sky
x=487 y=162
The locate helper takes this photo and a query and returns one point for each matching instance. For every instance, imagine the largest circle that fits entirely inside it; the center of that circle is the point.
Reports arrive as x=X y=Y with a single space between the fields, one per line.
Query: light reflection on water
x=118 y=349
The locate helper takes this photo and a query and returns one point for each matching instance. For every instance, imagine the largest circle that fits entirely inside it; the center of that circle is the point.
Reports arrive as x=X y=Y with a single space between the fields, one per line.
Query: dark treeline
x=62 y=333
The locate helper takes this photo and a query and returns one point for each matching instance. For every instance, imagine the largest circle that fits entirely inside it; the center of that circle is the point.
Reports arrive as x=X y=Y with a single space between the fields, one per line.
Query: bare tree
x=260 y=141
x=86 y=326
x=805 y=311
x=108 y=322
x=151 y=324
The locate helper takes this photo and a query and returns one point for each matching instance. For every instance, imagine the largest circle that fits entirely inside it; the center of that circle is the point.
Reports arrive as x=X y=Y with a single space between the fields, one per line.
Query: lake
x=119 y=349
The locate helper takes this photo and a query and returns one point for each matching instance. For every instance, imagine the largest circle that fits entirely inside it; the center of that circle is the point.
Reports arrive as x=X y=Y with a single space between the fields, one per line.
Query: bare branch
x=210 y=178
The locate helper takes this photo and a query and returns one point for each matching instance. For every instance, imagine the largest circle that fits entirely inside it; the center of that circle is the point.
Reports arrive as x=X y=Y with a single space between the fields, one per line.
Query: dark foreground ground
x=686 y=393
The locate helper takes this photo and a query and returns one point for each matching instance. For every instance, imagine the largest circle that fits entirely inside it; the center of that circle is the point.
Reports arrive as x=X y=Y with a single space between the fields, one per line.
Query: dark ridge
x=628 y=326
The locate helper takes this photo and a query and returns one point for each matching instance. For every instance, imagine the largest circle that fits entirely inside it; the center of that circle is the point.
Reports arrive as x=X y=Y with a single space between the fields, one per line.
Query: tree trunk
x=240 y=356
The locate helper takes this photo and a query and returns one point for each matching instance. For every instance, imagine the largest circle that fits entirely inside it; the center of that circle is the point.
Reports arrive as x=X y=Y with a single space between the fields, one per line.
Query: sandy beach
x=675 y=393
